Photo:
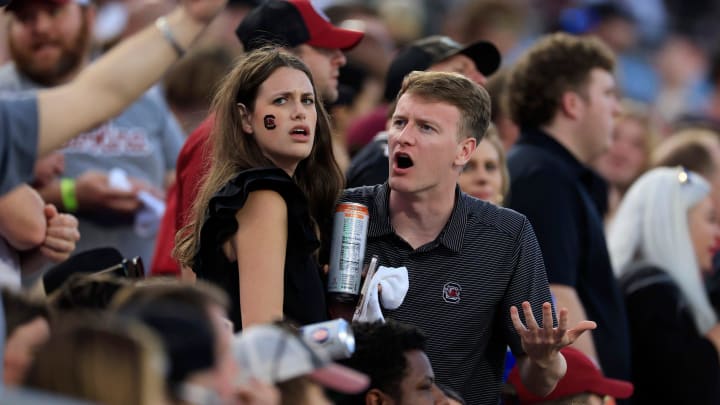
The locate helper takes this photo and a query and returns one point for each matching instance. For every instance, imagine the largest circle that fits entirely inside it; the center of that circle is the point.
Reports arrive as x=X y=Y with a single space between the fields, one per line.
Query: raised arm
x=118 y=78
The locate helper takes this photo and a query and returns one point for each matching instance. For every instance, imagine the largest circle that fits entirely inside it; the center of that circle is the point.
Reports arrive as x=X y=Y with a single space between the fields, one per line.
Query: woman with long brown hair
x=269 y=193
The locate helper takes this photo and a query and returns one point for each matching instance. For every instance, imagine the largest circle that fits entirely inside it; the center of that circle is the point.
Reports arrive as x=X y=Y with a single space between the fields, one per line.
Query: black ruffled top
x=304 y=296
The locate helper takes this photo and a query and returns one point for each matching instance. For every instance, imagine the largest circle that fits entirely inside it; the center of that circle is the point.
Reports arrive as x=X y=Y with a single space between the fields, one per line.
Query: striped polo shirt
x=462 y=285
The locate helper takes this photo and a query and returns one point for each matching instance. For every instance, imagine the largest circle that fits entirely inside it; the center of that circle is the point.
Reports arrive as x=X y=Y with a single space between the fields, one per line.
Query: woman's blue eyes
x=283 y=100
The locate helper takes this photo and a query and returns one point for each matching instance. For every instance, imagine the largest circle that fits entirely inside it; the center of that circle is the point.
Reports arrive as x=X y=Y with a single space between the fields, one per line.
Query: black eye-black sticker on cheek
x=269 y=121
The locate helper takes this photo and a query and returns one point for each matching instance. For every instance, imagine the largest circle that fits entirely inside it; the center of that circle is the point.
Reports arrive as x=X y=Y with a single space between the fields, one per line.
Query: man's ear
x=465 y=149
x=377 y=397
x=245 y=118
x=571 y=104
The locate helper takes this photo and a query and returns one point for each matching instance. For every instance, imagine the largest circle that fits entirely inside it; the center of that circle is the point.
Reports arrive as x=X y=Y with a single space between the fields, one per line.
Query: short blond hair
x=471 y=99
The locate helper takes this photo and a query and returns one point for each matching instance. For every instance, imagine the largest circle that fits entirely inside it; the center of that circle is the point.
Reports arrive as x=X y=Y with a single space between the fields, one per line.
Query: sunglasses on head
x=128 y=268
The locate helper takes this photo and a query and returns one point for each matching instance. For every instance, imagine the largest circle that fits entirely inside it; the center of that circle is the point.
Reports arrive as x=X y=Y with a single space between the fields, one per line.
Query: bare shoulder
x=263 y=216
x=268 y=203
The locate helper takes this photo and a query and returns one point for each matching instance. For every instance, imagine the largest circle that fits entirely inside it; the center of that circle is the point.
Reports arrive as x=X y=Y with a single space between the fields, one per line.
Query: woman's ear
x=245 y=118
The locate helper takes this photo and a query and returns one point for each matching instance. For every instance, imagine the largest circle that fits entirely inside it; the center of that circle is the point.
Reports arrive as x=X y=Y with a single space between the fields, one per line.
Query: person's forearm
x=142 y=59
x=22 y=222
x=541 y=379
x=107 y=86
x=51 y=194
x=566 y=297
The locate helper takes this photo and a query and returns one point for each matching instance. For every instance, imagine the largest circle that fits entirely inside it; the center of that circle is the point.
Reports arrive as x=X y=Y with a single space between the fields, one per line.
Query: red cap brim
x=340 y=378
x=614 y=388
x=337 y=38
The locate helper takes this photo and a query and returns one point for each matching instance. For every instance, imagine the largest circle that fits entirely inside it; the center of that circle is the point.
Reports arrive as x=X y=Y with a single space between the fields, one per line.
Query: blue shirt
x=18 y=140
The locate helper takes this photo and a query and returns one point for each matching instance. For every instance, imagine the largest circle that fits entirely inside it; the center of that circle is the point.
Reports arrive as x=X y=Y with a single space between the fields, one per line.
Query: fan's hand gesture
x=542 y=344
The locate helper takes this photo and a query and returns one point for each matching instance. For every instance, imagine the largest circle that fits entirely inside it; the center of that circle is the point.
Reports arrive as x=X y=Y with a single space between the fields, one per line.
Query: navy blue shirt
x=560 y=197
x=370 y=166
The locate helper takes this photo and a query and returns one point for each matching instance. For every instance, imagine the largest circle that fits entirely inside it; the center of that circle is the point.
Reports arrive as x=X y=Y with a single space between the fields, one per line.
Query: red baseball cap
x=292 y=23
x=582 y=377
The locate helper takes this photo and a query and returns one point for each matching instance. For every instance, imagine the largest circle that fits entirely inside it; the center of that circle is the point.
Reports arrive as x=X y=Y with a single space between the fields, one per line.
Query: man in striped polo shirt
x=470 y=264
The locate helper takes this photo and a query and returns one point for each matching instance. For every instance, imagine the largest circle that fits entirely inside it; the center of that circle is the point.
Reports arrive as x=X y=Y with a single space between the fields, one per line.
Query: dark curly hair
x=555 y=64
x=380 y=353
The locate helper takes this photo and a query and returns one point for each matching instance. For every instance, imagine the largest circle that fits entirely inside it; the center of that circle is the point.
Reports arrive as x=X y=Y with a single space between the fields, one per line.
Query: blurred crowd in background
x=667 y=73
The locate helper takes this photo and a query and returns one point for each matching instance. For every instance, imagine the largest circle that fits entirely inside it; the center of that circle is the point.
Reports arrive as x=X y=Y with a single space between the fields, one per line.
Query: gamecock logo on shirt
x=451 y=292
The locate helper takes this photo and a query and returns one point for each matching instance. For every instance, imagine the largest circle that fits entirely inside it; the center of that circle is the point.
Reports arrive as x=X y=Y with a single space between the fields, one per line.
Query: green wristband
x=68 y=195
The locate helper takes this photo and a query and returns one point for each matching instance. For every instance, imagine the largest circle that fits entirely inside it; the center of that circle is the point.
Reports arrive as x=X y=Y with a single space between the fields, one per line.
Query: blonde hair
x=471 y=99
x=101 y=360
x=493 y=138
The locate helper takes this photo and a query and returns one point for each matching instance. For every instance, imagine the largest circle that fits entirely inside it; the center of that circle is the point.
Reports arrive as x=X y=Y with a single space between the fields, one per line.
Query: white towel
x=395 y=284
x=118 y=179
x=147 y=220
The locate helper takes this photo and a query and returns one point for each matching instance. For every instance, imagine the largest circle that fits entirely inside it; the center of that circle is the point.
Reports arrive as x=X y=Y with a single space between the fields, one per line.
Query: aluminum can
x=335 y=337
x=347 y=251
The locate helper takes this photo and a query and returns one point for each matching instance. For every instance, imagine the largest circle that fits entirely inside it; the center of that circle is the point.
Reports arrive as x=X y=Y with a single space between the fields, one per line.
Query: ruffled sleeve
x=220 y=223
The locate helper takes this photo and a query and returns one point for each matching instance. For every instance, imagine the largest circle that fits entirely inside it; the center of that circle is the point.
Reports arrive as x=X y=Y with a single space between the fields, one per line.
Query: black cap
x=89 y=261
x=423 y=53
